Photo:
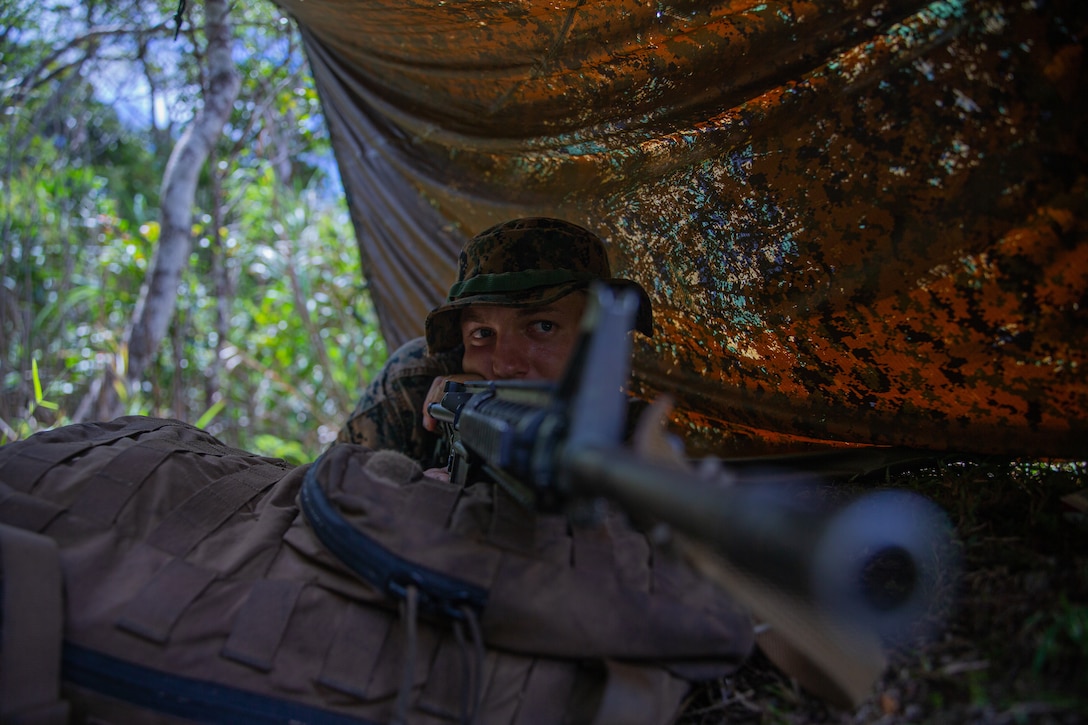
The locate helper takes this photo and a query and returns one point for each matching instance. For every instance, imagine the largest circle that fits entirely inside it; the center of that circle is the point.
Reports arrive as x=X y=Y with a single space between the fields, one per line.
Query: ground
x=1015 y=649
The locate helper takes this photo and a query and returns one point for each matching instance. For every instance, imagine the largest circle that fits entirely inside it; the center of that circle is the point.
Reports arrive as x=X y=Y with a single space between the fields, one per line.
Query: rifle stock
x=834 y=581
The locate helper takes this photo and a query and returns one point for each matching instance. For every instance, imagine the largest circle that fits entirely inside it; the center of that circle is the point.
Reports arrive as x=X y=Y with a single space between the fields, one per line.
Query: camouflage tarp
x=860 y=222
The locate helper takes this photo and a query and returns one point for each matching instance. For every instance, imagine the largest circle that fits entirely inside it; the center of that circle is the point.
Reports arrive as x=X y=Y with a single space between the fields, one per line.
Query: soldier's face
x=530 y=343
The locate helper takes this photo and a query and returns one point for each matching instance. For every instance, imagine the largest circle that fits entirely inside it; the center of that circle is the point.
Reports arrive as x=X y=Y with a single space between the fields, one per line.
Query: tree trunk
x=158 y=295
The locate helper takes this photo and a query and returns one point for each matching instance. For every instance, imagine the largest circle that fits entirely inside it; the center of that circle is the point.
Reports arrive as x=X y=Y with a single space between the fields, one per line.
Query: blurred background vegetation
x=274 y=336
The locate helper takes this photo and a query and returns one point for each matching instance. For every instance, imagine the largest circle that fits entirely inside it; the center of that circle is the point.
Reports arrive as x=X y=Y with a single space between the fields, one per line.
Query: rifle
x=835 y=583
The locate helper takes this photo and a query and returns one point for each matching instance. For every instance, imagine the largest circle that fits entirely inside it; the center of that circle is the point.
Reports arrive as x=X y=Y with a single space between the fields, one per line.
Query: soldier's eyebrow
x=534 y=311
x=475 y=314
x=471 y=314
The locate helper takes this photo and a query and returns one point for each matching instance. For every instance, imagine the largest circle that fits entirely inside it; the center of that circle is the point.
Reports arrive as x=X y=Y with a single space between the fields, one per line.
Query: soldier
x=513 y=313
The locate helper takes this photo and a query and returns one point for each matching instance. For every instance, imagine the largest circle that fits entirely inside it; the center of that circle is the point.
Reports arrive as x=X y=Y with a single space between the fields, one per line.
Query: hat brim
x=443 y=325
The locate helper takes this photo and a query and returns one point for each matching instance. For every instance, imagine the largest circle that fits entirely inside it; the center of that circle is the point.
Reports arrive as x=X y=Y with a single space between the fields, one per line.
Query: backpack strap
x=439 y=593
x=31 y=629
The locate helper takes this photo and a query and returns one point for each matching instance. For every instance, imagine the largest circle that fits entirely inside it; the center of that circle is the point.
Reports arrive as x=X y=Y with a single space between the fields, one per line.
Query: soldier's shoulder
x=412 y=358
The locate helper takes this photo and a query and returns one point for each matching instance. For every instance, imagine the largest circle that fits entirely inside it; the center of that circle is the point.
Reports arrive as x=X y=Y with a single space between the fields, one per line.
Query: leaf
x=151 y=230
x=120 y=389
x=38 y=397
x=210 y=413
x=276 y=447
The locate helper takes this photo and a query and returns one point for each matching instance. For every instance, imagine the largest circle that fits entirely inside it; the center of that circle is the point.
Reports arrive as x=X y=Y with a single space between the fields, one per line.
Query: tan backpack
x=151 y=573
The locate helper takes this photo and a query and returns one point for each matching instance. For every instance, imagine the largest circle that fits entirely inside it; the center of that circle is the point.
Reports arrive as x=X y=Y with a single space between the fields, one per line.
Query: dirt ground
x=1015 y=649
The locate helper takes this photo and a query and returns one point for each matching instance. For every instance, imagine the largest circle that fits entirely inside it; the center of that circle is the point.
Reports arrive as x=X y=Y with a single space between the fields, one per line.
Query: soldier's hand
x=438 y=389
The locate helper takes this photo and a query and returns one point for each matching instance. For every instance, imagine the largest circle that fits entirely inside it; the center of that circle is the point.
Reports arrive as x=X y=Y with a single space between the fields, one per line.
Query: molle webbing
x=206 y=583
x=261 y=622
x=21 y=466
x=207 y=509
x=111 y=486
x=25 y=511
x=159 y=605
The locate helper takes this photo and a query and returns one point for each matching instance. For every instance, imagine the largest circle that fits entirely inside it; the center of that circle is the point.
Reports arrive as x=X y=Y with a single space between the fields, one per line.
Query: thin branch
x=34 y=80
x=260 y=110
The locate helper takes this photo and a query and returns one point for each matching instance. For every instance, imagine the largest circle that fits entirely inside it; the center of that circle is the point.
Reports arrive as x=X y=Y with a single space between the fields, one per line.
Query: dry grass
x=1015 y=649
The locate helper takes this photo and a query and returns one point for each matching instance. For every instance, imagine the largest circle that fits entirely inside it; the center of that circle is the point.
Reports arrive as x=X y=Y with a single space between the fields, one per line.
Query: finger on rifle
x=438 y=389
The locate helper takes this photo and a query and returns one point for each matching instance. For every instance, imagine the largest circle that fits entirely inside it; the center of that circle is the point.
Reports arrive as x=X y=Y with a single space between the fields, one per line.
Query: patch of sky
x=119 y=82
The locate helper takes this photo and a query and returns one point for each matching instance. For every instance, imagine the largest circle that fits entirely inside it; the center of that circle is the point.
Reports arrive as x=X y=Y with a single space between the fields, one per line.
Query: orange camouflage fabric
x=860 y=222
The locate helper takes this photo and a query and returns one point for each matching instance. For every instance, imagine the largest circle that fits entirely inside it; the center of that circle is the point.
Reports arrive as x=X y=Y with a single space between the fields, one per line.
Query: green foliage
x=1062 y=637
x=26 y=426
x=294 y=356
x=274 y=334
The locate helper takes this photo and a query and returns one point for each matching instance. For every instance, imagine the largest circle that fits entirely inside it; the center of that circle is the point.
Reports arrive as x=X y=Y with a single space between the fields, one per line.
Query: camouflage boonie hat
x=525 y=263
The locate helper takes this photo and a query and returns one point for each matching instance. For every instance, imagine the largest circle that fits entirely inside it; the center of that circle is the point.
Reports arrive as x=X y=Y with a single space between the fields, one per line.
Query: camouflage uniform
x=519 y=263
x=389 y=412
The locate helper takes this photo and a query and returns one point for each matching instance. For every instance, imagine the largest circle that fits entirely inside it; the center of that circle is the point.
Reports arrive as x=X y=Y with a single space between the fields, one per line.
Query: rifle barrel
x=882 y=560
